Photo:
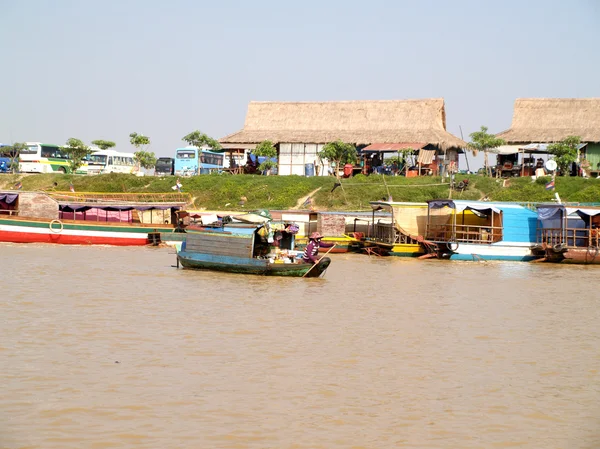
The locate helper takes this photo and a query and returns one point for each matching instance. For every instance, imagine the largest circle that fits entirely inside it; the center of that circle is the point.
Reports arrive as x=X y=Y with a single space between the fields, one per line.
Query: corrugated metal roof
x=393 y=146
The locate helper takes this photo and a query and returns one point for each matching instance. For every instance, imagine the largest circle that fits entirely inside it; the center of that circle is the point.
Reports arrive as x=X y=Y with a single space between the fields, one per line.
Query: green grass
x=284 y=192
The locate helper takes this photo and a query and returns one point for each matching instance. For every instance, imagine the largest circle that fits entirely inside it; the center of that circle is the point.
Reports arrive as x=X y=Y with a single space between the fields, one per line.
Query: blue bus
x=193 y=161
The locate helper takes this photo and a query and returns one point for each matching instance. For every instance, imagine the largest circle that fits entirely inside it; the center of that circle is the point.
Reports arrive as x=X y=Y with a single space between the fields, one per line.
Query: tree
x=267 y=150
x=145 y=159
x=565 y=152
x=482 y=141
x=142 y=157
x=338 y=153
x=139 y=141
x=103 y=144
x=76 y=151
x=198 y=139
x=13 y=151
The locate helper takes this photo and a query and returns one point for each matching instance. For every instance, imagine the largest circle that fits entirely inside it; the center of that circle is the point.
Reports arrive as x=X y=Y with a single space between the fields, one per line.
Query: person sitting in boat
x=312 y=249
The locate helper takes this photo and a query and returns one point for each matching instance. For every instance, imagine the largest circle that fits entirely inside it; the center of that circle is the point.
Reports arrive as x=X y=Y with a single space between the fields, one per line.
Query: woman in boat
x=312 y=249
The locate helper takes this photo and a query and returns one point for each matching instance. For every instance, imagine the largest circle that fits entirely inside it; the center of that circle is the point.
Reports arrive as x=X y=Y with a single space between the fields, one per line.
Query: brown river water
x=106 y=347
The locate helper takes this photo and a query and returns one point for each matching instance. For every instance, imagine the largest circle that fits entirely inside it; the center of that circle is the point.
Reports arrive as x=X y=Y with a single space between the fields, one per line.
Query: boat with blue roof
x=480 y=230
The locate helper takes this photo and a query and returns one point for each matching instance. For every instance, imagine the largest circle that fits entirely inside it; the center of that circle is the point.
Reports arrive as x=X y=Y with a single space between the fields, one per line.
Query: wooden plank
x=219 y=239
x=213 y=248
x=220 y=245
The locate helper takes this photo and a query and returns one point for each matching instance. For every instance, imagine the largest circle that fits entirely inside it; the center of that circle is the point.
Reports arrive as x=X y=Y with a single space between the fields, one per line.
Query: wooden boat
x=245 y=248
x=398 y=234
x=568 y=234
x=88 y=218
x=343 y=244
x=480 y=230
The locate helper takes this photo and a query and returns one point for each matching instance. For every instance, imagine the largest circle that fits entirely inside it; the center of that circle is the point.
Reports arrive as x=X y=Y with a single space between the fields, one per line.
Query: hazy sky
x=103 y=69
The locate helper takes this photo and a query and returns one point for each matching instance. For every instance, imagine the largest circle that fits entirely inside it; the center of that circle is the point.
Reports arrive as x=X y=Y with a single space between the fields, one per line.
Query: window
x=186 y=154
x=31 y=149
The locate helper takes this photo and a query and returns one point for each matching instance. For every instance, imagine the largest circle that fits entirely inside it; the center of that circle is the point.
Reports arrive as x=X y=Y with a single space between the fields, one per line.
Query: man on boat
x=312 y=249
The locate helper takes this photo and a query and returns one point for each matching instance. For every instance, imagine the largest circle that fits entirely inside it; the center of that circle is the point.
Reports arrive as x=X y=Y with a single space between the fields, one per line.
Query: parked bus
x=164 y=166
x=43 y=158
x=110 y=161
x=193 y=161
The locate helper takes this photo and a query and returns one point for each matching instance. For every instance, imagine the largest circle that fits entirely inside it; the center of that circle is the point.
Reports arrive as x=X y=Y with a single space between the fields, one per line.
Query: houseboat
x=246 y=248
x=568 y=234
x=480 y=230
x=88 y=218
x=399 y=233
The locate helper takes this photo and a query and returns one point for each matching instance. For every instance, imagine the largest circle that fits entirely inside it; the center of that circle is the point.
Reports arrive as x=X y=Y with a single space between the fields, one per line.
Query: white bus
x=43 y=158
x=110 y=161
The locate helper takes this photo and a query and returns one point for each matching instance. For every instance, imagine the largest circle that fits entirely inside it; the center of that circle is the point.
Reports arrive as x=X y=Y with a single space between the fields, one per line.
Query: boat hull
x=244 y=265
x=59 y=232
x=505 y=251
x=342 y=244
x=402 y=249
x=583 y=256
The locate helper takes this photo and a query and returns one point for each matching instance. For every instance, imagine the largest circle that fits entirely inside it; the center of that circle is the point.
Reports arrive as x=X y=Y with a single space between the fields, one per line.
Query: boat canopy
x=547 y=212
x=9 y=198
x=461 y=206
x=86 y=207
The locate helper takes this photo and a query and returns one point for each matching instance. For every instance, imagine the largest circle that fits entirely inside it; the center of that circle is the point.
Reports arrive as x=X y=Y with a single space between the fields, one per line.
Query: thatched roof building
x=357 y=122
x=545 y=120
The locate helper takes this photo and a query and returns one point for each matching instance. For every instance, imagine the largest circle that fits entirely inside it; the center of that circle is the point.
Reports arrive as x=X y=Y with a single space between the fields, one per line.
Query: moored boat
x=343 y=244
x=87 y=218
x=247 y=249
x=398 y=234
x=480 y=230
x=568 y=234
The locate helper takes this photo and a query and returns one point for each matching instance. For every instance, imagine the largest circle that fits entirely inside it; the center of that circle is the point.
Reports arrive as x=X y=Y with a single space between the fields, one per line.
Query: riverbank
x=245 y=192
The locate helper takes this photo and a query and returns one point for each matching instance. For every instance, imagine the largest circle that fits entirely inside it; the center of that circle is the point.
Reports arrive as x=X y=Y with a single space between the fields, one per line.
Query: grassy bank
x=286 y=192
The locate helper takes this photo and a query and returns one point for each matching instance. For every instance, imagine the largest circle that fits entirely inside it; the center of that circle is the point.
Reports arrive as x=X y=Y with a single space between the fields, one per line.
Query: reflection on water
x=113 y=347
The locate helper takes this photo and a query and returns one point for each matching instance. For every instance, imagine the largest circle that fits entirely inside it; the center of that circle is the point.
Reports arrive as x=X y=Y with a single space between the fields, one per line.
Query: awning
x=543 y=147
x=9 y=198
x=425 y=156
x=549 y=211
x=506 y=149
x=461 y=206
x=590 y=212
x=393 y=147
x=82 y=207
x=238 y=146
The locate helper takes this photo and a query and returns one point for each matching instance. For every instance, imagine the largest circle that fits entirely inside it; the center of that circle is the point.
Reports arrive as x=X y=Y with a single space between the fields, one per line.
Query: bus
x=110 y=161
x=193 y=161
x=43 y=158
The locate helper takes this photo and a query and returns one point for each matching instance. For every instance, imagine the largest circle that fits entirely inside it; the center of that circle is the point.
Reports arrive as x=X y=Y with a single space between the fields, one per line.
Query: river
x=115 y=348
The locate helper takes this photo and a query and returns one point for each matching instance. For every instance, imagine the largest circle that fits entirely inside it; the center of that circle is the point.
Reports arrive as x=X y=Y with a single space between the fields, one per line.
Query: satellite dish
x=551 y=165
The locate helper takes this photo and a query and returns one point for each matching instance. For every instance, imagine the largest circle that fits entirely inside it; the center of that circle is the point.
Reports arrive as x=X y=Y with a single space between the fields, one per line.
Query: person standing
x=312 y=248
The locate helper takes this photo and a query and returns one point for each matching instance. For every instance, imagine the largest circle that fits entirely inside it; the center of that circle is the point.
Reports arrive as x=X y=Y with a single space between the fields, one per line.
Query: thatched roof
x=553 y=119
x=357 y=122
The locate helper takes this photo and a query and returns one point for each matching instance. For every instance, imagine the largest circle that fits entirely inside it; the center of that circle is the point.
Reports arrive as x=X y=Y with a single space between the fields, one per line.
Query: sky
x=103 y=69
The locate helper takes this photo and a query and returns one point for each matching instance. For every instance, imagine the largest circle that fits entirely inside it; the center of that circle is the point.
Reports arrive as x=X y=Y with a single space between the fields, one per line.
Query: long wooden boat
x=246 y=249
x=88 y=219
x=398 y=233
x=480 y=230
x=343 y=244
x=568 y=234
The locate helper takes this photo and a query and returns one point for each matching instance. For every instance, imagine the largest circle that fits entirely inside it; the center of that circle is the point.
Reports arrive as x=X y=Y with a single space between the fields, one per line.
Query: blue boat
x=480 y=230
